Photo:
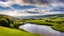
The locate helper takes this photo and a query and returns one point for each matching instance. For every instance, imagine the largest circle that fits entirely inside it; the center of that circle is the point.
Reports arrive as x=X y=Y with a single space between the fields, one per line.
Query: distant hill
x=7 y=16
x=40 y=16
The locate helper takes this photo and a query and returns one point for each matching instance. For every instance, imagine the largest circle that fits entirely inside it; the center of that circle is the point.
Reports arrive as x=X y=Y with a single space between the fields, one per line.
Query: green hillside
x=9 y=26
x=13 y=32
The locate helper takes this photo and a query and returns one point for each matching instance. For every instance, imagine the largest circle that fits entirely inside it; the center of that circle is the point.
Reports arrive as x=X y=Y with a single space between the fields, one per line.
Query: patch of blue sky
x=19 y=7
x=3 y=0
x=4 y=8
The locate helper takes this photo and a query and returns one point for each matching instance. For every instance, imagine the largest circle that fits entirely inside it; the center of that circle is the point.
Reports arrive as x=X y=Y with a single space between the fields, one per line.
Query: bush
x=4 y=22
x=16 y=26
x=48 y=21
x=9 y=21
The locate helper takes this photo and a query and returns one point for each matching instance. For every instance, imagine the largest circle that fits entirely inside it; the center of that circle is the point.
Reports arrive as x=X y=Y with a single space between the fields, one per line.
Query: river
x=41 y=29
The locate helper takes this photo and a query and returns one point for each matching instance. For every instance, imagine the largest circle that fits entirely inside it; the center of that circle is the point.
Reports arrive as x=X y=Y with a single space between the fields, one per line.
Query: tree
x=4 y=22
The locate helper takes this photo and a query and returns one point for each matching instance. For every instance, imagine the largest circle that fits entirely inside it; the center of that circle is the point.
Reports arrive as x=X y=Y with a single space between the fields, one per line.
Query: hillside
x=9 y=26
x=13 y=32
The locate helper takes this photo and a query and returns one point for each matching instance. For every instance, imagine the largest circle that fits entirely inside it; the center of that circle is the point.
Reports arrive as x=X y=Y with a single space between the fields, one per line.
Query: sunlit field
x=56 y=23
x=9 y=26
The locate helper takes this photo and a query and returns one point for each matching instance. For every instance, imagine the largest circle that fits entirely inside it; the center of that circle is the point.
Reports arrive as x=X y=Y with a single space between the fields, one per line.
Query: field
x=56 y=23
x=9 y=26
x=13 y=32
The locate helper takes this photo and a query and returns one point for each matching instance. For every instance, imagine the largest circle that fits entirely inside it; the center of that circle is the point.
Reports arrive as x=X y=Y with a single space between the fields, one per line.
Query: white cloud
x=38 y=10
x=42 y=3
x=39 y=3
x=57 y=4
x=34 y=2
x=6 y=4
x=25 y=13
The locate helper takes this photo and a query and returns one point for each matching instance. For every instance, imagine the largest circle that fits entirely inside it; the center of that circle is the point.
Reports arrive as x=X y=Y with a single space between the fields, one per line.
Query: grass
x=9 y=26
x=14 y=32
x=59 y=27
x=40 y=22
x=56 y=23
x=19 y=22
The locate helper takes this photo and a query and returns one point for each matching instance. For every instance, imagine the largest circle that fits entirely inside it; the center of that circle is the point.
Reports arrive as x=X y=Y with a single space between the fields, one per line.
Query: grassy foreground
x=9 y=26
x=56 y=23
x=13 y=32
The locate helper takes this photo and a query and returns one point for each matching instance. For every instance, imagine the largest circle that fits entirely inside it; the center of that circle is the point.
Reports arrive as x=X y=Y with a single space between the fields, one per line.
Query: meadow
x=9 y=26
x=56 y=23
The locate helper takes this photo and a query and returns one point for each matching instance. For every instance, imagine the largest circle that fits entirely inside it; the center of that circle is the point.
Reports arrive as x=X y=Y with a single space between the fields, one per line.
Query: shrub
x=4 y=22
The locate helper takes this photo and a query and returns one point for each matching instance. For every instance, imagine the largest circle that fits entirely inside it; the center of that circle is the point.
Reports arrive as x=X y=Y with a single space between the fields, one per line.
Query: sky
x=20 y=5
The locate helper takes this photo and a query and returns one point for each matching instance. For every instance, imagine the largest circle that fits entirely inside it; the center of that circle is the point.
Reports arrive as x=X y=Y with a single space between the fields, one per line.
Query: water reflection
x=41 y=29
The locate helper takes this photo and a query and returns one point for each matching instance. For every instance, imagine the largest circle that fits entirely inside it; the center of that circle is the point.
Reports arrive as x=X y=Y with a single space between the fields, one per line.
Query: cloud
x=9 y=3
x=38 y=10
x=39 y=3
x=6 y=4
x=16 y=13
x=43 y=3
x=61 y=1
x=32 y=2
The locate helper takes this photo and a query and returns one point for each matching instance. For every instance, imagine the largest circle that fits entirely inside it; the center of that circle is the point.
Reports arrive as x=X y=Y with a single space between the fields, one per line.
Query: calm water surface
x=41 y=29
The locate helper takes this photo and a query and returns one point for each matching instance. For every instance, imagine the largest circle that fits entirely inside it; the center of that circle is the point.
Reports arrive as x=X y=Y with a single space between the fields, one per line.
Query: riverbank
x=9 y=26
x=56 y=23
x=14 y=32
